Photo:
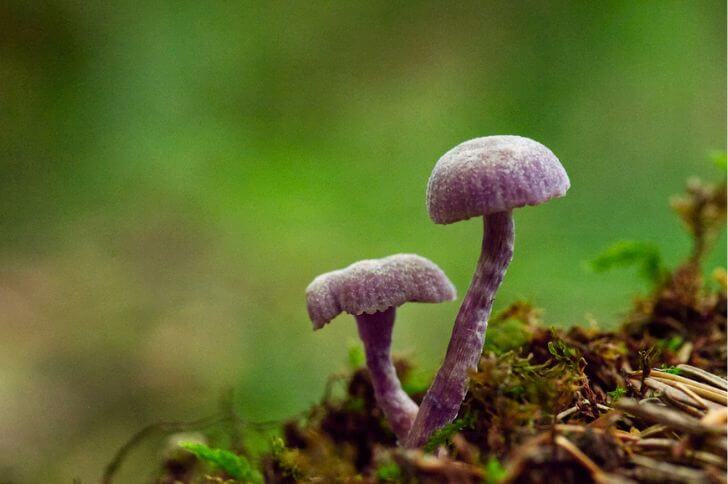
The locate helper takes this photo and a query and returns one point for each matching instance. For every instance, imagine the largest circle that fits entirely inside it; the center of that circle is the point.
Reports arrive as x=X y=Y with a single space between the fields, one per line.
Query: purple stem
x=375 y=331
x=447 y=392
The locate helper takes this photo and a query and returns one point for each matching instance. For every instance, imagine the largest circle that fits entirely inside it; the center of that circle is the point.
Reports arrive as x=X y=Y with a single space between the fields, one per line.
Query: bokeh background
x=173 y=174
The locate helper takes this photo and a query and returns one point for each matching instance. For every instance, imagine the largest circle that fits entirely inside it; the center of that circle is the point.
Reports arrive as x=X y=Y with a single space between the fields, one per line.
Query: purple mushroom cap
x=484 y=177
x=375 y=285
x=493 y=174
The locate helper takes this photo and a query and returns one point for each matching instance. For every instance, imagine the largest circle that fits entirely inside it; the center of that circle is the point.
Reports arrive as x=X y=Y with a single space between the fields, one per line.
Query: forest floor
x=643 y=403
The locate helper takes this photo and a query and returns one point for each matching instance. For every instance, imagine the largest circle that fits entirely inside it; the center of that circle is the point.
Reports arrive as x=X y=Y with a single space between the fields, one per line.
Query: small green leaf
x=720 y=159
x=417 y=382
x=389 y=471
x=494 y=471
x=516 y=391
x=563 y=352
x=673 y=344
x=356 y=356
x=617 y=393
x=626 y=253
x=231 y=464
x=673 y=370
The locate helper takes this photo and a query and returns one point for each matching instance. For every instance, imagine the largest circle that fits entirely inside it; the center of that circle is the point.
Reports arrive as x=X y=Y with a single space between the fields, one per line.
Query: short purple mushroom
x=371 y=290
x=484 y=177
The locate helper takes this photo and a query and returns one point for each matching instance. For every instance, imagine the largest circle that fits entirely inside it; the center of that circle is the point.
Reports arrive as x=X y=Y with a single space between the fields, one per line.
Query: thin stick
x=670 y=472
x=705 y=376
x=518 y=462
x=674 y=397
x=667 y=417
x=595 y=471
x=620 y=434
x=652 y=430
x=716 y=417
x=165 y=427
x=670 y=444
x=567 y=412
x=672 y=389
x=705 y=391
x=669 y=376
x=572 y=410
x=692 y=394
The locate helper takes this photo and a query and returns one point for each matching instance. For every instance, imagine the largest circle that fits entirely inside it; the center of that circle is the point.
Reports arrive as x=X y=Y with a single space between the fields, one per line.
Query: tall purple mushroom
x=486 y=177
x=371 y=290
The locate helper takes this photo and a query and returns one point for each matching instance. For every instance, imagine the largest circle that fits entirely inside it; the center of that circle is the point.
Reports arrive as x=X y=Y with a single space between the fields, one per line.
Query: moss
x=645 y=256
x=234 y=466
x=530 y=380
x=443 y=436
x=616 y=394
x=389 y=472
x=506 y=335
x=494 y=471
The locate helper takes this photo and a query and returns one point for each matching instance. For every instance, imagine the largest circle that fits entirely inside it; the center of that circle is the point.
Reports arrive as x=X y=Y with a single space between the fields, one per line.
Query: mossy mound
x=643 y=403
x=559 y=408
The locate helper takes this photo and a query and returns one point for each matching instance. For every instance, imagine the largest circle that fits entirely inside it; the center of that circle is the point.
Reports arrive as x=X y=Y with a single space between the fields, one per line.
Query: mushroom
x=486 y=177
x=371 y=290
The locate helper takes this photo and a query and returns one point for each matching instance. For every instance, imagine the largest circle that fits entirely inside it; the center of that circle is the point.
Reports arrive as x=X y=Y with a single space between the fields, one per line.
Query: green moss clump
x=542 y=401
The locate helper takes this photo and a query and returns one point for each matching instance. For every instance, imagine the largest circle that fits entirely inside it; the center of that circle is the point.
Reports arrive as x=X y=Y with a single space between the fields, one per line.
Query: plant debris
x=644 y=403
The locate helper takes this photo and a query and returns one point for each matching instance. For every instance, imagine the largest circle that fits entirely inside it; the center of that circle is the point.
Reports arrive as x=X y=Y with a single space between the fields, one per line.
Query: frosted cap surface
x=493 y=174
x=375 y=285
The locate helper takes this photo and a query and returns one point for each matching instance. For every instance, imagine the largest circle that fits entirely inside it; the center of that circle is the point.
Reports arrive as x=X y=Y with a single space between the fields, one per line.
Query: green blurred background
x=173 y=174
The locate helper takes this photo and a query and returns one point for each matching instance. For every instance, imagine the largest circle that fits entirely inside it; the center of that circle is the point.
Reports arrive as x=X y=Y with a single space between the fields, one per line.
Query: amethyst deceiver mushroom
x=486 y=177
x=371 y=290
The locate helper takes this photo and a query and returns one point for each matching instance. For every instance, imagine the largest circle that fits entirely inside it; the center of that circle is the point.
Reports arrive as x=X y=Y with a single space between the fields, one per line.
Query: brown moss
x=516 y=393
x=546 y=405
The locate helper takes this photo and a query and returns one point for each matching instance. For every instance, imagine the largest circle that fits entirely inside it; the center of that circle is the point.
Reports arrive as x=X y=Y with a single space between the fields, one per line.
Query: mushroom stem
x=447 y=392
x=375 y=331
